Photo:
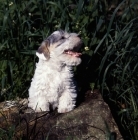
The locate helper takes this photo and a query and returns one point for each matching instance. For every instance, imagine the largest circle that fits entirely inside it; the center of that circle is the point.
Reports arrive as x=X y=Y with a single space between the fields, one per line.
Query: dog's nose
x=79 y=35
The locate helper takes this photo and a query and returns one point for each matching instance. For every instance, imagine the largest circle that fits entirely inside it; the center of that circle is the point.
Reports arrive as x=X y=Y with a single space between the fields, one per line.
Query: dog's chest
x=60 y=77
x=53 y=79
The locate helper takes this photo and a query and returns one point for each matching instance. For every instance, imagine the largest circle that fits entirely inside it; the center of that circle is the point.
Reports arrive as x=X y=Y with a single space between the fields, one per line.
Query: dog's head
x=61 y=46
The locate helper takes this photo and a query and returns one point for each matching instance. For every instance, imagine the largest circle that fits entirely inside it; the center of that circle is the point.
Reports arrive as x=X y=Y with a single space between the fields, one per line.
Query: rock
x=92 y=120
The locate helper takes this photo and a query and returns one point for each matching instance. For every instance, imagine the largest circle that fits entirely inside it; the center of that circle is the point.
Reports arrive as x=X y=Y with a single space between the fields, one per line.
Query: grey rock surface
x=91 y=120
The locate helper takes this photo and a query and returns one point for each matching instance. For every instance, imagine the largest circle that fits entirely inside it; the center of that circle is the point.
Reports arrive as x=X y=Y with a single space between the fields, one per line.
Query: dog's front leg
x=67 y=101
x=38 y=104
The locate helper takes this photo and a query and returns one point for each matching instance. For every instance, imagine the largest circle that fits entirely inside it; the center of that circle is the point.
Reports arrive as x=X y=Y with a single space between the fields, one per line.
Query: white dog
x=52 y=84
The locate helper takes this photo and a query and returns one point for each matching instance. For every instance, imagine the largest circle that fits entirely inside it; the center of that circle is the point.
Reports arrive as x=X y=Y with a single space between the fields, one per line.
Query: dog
x=53 y=84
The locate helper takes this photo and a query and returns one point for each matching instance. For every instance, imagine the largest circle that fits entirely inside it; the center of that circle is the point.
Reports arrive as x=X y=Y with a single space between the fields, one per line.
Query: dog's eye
x=62 y=37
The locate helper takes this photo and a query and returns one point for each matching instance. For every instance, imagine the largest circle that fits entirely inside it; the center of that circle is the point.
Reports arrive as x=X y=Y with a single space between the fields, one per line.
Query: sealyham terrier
x=53 y=84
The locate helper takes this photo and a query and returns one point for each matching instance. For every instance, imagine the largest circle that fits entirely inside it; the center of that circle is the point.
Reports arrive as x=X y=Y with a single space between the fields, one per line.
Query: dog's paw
x=39 y=109
x=64 y=110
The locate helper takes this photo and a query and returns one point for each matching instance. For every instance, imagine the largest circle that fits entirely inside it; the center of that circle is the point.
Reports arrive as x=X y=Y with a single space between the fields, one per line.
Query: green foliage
x=118 y=70
x=23 y=26
x=109 y=56
x=7 y=134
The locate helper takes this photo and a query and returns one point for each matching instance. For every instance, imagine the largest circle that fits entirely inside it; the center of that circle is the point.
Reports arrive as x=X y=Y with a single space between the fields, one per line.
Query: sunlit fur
x=53 y=84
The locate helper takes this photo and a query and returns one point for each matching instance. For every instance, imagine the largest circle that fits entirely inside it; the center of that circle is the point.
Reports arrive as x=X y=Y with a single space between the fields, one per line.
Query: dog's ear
x=43 y=51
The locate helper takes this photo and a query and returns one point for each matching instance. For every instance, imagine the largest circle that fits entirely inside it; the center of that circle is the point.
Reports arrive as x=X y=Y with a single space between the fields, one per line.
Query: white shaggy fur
x=52 y=84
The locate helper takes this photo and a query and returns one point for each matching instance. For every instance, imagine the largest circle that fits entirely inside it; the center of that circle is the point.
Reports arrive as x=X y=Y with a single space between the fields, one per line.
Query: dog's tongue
x=73 y=53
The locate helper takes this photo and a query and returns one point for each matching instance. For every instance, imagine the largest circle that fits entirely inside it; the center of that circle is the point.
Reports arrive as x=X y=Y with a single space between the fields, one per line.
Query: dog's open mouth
x=72 y=53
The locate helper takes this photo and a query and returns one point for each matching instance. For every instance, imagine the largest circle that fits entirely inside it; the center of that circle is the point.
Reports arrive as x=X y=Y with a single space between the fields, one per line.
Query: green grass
x=118 y=70
x=109 y=54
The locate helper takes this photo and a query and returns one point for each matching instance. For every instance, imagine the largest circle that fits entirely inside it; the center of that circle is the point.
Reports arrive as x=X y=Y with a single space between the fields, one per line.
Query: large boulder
x=91 y=120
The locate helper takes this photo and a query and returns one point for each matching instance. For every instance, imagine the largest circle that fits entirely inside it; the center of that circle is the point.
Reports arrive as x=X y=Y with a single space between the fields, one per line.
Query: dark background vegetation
x=109 y=30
